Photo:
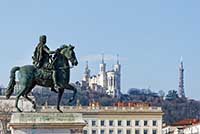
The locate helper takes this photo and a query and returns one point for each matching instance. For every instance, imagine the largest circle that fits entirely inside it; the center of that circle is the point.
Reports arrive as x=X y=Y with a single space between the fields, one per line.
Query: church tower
x=181 y=80
x=117 y=70
x=86 y=73
x=117 y=67
x=102 y=73
x=102 y=66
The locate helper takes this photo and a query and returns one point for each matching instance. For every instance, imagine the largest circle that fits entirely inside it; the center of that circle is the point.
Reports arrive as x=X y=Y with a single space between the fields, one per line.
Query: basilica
x=108 y=82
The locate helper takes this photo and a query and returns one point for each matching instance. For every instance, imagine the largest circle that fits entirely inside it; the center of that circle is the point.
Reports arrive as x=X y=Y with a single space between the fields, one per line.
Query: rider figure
x=41 y=57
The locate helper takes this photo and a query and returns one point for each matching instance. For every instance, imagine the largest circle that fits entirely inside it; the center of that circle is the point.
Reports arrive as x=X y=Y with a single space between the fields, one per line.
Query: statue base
x=46 y=123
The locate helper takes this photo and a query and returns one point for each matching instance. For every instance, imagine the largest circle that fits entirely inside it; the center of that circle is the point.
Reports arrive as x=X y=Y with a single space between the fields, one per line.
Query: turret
x=117 y=70
x=102 y=65
x=117 y=67
x=86 y=73
x=102 y=73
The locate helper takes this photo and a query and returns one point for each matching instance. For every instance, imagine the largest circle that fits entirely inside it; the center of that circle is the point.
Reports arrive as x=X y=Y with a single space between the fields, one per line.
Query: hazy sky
x=149 y=35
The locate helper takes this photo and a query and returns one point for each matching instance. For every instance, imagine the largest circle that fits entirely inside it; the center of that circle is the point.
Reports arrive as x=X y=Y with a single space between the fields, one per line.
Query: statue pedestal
x=46 y=123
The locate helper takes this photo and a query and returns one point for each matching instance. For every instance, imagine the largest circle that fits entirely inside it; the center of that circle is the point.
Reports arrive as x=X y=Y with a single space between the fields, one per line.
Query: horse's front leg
x=74 y=92
x=60 y=93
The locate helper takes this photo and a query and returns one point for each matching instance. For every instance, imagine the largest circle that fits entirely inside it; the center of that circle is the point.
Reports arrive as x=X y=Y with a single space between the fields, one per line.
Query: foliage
x=172 y=95
x=175 y=108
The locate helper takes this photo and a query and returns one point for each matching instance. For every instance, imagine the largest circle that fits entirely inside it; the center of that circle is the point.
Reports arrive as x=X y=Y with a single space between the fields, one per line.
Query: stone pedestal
x=46 y=123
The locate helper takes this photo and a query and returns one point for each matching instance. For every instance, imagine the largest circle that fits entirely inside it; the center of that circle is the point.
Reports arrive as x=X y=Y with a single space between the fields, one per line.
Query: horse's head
x=68 y=52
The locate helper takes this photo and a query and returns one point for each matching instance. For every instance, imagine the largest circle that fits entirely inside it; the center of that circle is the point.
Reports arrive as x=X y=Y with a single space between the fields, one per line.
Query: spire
x=102 y=65
x=86 y=67
x=87 y=70
x=181 y=63
x=86 y=64
x=181 y=60
x=117 y=58
x=102 y=60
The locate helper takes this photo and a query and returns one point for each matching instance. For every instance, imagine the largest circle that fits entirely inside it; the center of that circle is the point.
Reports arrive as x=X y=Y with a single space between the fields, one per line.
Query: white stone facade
x=172 y=130
x=187 y=126
x=106 y=81
x=117 y=120
x=189 y=129
x=122 y=125
x=193 y=129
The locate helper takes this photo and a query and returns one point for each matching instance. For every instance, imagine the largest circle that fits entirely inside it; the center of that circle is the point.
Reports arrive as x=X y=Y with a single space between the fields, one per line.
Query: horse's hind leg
x=16 y=103
x=18 y=97
x=70 y=87
x=29 y=99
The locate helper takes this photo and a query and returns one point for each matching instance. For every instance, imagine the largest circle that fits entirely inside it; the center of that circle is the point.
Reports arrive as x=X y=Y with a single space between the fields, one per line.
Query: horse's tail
x=12 y=82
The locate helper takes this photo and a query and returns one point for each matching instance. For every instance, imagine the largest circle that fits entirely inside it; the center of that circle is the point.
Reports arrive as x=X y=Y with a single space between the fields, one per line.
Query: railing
x=102 y=109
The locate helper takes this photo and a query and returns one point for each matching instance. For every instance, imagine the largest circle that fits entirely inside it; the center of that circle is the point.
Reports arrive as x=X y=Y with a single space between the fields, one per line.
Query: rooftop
x=117 y=108
x=186 y=122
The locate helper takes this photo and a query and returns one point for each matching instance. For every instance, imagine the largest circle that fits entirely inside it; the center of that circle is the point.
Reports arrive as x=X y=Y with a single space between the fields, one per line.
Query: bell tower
x=102 y=73
x=117 y=70
x=86 y=73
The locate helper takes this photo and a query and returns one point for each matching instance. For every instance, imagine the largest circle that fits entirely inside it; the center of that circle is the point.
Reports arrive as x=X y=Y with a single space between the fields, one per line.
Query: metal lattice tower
x=181 y=80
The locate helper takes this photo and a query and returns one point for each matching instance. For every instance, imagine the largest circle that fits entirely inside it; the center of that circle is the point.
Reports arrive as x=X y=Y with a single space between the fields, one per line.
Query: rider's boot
x=56 y=86
x=54 y=90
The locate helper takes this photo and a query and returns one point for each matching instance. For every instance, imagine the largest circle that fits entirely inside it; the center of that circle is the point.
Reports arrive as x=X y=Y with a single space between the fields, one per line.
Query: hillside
x=175 y=108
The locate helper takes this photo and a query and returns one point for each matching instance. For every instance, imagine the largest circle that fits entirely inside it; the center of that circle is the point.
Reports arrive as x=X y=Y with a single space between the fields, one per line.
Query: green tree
x=172 y=95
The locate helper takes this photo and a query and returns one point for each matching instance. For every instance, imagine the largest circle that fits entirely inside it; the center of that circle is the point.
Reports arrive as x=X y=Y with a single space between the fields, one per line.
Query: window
x=119 y=123
x=85 y=132
x=111 y=131
x=154 y=131
x=94 y=131
x=145 y=131
x=145 y=122
x=111 y=123
x=137 y=131
x=102 y=131
x=137 y=123
x=128 y=123
x=102 y=123
x=128 y=131
x=93 y=123
x=119 y=131
x=154 y=123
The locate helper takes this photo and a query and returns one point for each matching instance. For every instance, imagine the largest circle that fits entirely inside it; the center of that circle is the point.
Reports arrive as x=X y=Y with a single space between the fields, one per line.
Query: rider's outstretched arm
x=48 y=50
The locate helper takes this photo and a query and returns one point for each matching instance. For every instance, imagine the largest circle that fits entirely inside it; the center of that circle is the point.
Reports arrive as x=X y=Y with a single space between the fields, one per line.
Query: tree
x=134 y=91
x=172 y=95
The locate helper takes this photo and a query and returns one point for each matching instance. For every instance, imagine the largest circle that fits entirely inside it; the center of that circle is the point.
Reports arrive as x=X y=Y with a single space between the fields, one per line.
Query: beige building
x=137 y=118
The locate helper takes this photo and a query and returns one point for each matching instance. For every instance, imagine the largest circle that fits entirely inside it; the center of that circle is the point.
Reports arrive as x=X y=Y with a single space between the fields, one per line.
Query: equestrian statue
x=50 y=69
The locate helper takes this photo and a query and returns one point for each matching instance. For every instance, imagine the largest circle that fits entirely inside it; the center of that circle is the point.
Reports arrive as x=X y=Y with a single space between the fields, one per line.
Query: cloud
x=98 y=57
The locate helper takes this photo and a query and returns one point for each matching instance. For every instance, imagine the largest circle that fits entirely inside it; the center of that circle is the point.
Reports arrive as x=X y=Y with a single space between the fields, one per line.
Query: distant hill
x=175 y=108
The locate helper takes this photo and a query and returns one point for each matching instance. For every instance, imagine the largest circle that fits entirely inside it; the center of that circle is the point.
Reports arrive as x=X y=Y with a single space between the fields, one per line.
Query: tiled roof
x=186 y=122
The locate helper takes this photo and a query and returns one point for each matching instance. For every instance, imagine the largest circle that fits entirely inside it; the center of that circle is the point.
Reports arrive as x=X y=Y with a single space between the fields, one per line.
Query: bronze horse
x=29 y=76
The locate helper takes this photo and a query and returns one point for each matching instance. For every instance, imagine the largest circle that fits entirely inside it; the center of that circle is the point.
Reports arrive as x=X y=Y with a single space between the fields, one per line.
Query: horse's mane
x=62 y=47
